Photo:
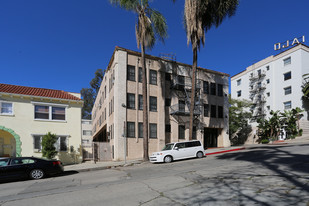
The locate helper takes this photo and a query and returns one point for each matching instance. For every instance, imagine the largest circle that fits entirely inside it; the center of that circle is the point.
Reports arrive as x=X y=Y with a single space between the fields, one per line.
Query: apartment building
x=28 y=113
x=87 y=139
x=275 y=83
x=118 y=117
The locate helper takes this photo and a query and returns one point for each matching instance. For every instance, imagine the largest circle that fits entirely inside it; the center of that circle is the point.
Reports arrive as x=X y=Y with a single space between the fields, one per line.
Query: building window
x=6 y=108
x=153 y=104
x=168 y=128
x=220 y=90
x=131 y=73
x=267 y=68
x=130 y=129
x=61 y=144
x=220 y=111
x=167 y=102
x=206 y=110
x=152 y=130
x=238 y=82
x=168 y=77
x=131 y=101
x=194 y=132
x=213 y=111
x=239 y=93
x=268 y=94
x=140 y=130
x=287 y=105
x=267 y=81
x=87 y=132
x=140 y=102
x=181 y=132
x=49 y=112
x=181 y=105
x=287 y=61
x=140 y=74
x=288 y=90
x=152 y=77
x=287 y=76
x=206 y=87
x=268 y=107
x=213 y=89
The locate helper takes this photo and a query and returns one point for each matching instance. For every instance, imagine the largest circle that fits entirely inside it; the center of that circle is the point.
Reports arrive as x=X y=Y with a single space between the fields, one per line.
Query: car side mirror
x=176 y=148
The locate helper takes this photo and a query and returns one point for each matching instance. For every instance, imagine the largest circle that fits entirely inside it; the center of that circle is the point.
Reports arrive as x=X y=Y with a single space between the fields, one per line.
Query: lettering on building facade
x=288 y=43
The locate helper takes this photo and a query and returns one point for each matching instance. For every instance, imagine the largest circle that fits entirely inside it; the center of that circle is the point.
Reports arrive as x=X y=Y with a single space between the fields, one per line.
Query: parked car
x=179 y=150
x=28 y=167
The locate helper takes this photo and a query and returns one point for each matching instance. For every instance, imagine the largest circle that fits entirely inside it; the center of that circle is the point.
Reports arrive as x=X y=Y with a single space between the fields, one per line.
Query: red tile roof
x=40 y=92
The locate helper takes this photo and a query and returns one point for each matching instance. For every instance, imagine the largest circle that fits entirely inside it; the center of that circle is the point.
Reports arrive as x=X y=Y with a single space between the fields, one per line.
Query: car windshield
x=168 y=147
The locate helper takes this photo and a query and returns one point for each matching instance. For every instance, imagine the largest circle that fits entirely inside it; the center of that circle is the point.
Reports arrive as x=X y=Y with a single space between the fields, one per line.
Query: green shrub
x=300 y=132
x=48 y=148
x=264 y=141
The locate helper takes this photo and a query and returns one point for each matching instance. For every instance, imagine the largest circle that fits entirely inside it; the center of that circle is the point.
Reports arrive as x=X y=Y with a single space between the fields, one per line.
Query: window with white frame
x=46 y=112
x=87 y=132
x=61 y=145
x=287 y=61
x=287 y=105
x=6 y=108
x=288 y=90
x=238 y=82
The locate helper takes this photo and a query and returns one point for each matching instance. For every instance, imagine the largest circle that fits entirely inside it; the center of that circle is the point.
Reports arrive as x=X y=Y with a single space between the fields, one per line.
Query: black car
x=28 y=167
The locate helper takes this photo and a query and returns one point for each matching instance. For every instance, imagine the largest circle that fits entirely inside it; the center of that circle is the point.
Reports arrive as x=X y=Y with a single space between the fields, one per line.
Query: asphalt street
x=262 y=175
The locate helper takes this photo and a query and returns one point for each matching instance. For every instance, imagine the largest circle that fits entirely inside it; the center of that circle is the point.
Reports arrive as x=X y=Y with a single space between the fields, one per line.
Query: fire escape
x=182 y=87
x=257 y=89
x=305 y=86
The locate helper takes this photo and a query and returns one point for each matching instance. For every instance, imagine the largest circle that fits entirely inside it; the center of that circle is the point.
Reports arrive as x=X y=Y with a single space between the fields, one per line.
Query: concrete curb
x=224 y=151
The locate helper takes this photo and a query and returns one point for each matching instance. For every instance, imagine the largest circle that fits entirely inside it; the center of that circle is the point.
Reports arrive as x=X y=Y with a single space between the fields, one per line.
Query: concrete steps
x=305 y=126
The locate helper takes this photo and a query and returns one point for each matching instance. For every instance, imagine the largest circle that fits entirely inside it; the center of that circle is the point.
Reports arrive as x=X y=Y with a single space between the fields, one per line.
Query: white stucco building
x=275 y=83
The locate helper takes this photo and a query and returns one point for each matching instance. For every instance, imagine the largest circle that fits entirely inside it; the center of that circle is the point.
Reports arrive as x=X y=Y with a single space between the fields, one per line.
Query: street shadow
x=276 y=159
x=246 y=186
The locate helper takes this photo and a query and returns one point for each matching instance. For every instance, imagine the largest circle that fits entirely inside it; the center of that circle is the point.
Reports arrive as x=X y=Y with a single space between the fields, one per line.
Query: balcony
x=257 y=75
x=183 y=110
x=305 y=86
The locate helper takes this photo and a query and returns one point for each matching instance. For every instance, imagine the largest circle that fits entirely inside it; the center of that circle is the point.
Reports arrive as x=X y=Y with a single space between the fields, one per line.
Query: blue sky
x=59 y=44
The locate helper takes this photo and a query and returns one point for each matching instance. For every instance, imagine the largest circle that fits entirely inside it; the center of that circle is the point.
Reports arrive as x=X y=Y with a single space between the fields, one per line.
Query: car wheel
x=200 y=154
x=36 y=174
x=168 y=159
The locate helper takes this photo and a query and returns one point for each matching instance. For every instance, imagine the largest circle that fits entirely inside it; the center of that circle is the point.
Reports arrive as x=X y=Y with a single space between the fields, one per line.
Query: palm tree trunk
x=145 y=105
x=192 y=100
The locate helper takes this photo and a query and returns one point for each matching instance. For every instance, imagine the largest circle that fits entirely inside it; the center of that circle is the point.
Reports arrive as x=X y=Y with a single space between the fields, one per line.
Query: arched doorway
x=10 y=144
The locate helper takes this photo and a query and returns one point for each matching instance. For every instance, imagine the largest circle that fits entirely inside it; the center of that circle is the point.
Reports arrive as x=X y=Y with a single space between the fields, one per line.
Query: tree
x=48 y=145
x=89 y=94
x=200 y=16
x=239 y=127
x=151 y=25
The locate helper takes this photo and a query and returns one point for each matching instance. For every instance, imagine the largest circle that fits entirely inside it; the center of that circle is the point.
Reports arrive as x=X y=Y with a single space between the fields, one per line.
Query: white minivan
x=179 y=150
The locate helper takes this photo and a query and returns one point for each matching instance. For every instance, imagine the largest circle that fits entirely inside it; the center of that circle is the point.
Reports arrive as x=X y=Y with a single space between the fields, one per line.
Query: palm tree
x=199 y=17
x=150 y=25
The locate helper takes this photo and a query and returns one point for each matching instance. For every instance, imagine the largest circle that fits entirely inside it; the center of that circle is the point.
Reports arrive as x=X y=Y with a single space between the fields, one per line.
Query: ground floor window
x=61 y=145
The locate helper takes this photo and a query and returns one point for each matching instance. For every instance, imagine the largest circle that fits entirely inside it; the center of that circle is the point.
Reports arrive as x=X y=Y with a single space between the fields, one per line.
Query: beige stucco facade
x=112 y=112
x=23 y=126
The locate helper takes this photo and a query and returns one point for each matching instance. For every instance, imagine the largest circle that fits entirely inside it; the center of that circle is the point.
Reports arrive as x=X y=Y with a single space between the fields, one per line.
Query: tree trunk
x=145 y=105
x=192 y=100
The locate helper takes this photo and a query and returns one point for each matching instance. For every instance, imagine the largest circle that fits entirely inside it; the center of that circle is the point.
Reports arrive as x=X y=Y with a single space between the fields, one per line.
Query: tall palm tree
x=150 y=25
x=199 y=17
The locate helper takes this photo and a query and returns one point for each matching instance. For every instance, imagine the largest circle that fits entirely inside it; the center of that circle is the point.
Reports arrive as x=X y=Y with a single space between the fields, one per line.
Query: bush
x=300 y=132
x=48 y=148
x=264 y=141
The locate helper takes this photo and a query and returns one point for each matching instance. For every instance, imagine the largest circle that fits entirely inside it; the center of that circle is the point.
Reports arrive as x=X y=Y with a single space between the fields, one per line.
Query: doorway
x=210 y=137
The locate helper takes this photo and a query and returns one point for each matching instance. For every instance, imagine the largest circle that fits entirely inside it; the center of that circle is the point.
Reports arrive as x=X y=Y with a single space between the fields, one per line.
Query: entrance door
x=210 y=137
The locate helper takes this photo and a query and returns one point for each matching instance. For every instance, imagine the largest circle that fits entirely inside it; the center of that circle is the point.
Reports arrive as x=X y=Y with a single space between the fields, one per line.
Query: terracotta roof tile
x=40 y=92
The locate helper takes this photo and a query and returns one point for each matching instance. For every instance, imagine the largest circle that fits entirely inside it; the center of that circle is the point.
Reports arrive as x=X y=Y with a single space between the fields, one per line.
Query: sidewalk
x=91 y=166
